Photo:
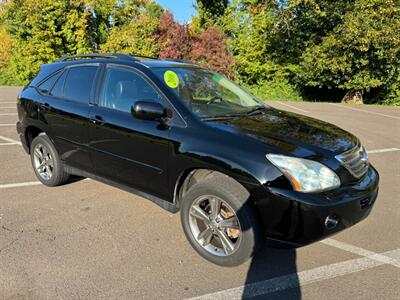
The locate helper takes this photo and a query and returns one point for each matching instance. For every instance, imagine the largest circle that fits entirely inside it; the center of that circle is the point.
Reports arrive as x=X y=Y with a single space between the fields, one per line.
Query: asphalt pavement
x=87 y=240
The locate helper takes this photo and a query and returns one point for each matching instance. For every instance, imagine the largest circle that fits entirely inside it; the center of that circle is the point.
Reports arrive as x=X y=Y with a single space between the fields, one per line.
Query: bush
x=7 y=78
x=276 y=89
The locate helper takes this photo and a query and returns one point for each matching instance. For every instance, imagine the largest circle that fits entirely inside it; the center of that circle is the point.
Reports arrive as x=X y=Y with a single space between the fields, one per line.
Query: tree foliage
x=209 y=11
x=6 y=47
x=277 y=48
x=137 y=30
x=361 y=53
x=174 y=39
x=349 y=46
x=248 y=28
x=210 y=50
x=44 y=30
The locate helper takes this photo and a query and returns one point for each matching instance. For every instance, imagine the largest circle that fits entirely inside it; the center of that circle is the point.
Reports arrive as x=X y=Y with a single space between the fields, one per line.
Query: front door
x=124 y=149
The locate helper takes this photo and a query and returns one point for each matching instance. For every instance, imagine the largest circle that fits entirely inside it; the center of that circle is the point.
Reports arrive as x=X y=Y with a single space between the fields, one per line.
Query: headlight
x=305 y=175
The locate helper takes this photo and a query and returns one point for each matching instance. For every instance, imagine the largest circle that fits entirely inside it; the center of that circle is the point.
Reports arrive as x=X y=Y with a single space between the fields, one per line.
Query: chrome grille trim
x=355 y=161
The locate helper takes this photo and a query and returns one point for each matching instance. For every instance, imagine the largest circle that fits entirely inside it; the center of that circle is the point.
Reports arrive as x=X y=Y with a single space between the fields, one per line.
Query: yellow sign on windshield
x=171 y=79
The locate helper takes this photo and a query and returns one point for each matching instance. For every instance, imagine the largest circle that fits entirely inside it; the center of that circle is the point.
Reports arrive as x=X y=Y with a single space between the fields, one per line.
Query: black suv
x=189 y=139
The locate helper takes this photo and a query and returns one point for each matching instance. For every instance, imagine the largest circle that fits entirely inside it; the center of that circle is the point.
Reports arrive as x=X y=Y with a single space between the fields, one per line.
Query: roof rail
x=98 y=56
x=180 y=60
x=145 y=56
x=158 y=58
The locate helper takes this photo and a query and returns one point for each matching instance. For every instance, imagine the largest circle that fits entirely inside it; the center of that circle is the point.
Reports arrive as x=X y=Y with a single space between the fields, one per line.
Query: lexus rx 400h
x=191 y=140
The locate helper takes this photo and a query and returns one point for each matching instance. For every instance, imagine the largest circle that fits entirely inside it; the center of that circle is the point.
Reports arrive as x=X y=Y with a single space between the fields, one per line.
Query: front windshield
x=208 y=94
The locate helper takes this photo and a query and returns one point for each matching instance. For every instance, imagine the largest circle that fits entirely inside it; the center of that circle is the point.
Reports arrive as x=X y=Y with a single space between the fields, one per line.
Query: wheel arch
x=33 y=130
x=30 y=133
x=192 y=176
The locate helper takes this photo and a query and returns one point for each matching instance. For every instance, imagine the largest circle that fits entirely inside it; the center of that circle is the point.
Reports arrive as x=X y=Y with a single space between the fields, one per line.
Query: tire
x=234 y=199
x=44 y=153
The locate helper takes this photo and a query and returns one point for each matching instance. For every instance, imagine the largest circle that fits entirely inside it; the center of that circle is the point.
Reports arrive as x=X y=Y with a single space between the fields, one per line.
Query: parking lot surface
x=87 y=240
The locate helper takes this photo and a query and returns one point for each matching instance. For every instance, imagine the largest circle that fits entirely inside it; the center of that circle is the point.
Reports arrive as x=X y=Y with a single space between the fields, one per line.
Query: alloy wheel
x=43 y=161
x=215 y=225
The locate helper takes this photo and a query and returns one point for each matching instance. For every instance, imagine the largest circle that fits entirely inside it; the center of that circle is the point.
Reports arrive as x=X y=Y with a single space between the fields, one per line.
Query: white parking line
x=13 y=185
x=8 y=102
x=9 y=140
x=263 y=288
x=291 y=106
x=383 y=150
x=5 y=125
x=8 y=107
x=29 y=183
x=362 y=252
x=9 y=144
x=8 y=114
x=366 y=111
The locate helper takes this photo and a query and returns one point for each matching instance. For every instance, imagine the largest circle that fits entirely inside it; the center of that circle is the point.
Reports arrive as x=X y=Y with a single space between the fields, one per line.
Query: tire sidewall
x=250 y=238
x=45 y=140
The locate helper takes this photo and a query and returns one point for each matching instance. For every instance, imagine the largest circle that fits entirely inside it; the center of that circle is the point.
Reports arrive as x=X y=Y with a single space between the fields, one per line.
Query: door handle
x=97 y=120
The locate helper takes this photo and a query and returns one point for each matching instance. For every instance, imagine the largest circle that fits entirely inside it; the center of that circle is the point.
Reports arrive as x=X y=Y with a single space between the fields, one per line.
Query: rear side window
x=79 y=83
x=46 y=85
x=57 y=90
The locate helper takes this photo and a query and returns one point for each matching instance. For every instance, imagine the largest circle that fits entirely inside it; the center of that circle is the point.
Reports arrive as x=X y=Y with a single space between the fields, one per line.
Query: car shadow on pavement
x=75 y=178
x=273 y=274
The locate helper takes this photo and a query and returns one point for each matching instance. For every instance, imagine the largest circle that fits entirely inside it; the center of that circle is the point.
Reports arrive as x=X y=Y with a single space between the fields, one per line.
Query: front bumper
x=300 y=218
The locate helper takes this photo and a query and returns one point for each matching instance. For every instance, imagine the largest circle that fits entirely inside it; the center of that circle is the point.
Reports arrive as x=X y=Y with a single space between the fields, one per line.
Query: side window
x=123 y=87
x=46 y=86
x=57 y=90
x=79 y=83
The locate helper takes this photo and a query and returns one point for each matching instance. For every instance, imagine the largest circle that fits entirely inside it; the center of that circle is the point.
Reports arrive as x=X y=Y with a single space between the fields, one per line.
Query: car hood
x=296 y=134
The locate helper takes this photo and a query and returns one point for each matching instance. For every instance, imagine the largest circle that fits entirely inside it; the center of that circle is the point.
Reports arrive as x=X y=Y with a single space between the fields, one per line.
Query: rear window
x=79 y=83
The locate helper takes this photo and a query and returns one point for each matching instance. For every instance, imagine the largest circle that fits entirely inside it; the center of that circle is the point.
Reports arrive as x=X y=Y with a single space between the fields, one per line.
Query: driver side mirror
x=148 y=110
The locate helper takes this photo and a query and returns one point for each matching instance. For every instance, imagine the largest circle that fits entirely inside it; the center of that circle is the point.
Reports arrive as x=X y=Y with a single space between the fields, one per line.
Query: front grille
x=355 y=161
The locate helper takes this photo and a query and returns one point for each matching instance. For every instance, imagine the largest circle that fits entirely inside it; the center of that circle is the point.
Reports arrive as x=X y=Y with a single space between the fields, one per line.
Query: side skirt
x=159 y=201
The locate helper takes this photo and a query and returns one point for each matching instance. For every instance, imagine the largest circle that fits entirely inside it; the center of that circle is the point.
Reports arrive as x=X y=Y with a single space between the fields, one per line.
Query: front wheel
x=220 y=222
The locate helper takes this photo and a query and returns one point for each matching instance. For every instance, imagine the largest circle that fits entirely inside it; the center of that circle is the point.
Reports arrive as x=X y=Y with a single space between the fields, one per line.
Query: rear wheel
x=220 y=222
x=46 y=162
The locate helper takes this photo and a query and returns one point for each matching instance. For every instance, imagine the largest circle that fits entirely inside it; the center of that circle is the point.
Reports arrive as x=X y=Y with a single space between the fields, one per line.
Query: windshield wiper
x=256 y=110
x=224 y=117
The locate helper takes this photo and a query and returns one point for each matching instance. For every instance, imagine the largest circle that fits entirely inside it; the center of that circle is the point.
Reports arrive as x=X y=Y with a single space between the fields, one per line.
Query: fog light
x=331 y=221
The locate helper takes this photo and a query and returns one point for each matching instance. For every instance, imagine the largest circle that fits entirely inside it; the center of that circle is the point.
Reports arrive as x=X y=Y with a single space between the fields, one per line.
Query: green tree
x=360 y=53
x=139 y=34
x=6 y=47
x=248 y=28
x=103 y=21
x=209 y=11
x=44 y=30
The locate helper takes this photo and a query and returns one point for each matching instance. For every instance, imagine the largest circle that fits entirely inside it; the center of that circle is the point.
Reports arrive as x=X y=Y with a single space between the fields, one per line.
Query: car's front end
x=317 y=181
x=300 y=218
x=315 y=178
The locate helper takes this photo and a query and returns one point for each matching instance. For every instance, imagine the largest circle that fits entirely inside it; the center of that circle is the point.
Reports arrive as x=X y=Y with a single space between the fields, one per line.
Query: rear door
x=65 y=108
x=127 y=150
